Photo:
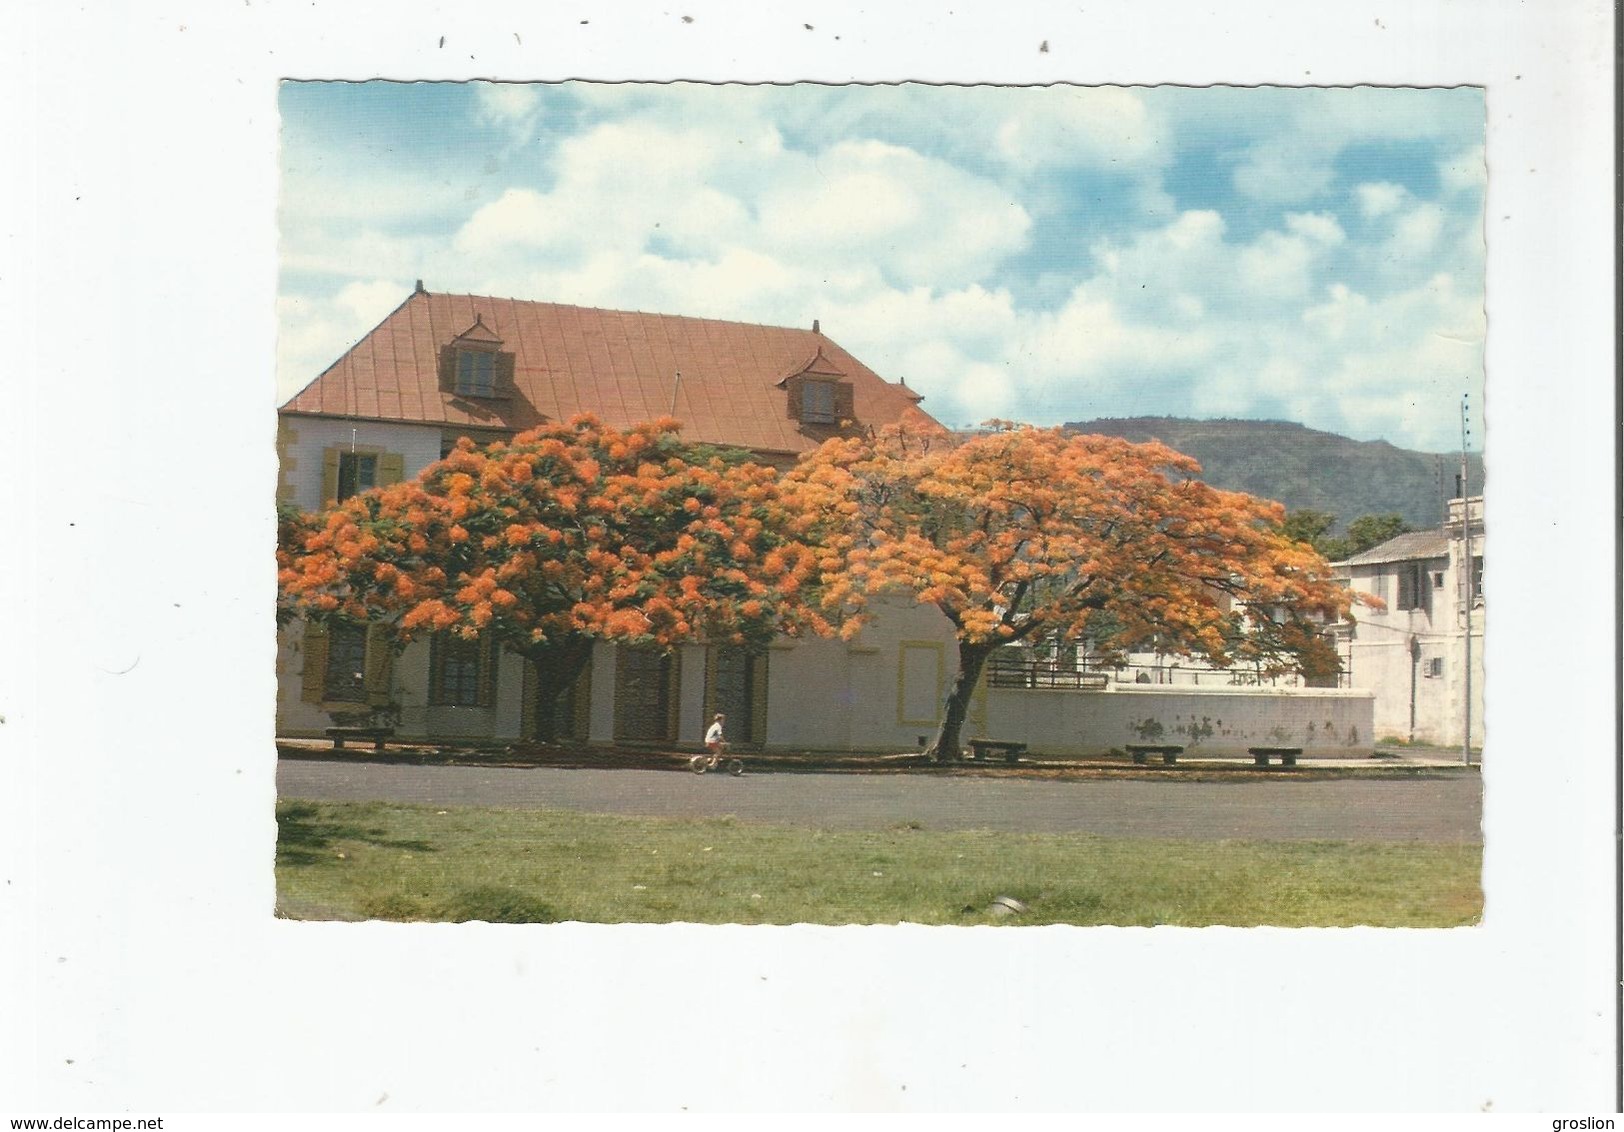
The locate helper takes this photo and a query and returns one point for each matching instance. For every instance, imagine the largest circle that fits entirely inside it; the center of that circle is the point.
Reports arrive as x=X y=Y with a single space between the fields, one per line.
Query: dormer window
x=473 y=364
x=819 y=393
x=818 y=402
x=476 y=373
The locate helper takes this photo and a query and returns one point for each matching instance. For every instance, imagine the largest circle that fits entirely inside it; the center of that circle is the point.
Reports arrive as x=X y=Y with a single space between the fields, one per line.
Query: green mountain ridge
x=1303 y=467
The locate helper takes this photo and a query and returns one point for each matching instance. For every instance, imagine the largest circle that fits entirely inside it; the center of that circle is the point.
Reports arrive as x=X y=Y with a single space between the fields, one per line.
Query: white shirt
x=714 y=735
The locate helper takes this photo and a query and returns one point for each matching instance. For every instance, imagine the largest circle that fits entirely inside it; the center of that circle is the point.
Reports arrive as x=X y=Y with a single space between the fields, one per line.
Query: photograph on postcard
x=951 y=505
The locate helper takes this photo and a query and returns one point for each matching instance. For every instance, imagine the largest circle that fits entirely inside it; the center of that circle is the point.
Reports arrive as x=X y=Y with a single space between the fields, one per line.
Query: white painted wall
x=409 y=681
x=1325 y=722
x=691 y=721
x=1380 y=658
x=293 y=715
x=831 y=695
x=601 y=717
x=309 y=437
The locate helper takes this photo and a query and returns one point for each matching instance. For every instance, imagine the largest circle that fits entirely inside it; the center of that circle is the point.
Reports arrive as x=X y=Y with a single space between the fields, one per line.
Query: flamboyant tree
x=1027 y=533
x=566 y=535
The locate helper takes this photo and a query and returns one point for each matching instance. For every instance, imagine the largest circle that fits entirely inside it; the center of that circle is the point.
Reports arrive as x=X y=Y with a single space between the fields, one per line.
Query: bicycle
x=713 y=760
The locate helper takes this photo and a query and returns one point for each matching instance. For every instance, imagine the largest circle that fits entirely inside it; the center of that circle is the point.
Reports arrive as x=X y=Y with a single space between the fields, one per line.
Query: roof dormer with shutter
x=820 y=393
x=474 y=365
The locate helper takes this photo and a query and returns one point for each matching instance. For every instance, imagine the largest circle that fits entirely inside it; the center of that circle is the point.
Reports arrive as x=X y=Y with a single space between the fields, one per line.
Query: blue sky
x=1041 y=254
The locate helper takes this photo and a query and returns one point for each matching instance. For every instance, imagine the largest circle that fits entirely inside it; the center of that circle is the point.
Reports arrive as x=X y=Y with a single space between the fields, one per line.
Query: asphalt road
x=1444 y=809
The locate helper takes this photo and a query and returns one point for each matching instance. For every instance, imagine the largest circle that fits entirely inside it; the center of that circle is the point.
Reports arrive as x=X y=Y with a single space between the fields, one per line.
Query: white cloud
x=1464 y=172
x=1320 y=227
x=506 y=102
x=1286 y=171
x=1098 y=126
x=1276 y=266
x=852 y=206
x=925 y=220
x=1349 y=317
x=367 y=303
x=1378 y=198
x=312 y=335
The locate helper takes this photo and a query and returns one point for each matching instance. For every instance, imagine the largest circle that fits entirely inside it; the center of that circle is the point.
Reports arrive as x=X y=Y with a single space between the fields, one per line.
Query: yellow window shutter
x=437 y=644
x=712 y=653
x=758 y=699
x=845 y=402
x=314 y=686
x=488 y=653
x=673 y=692
x=528 y=694
x=582 y=697
x=329 y=476
x=391 y=468
x=448 y=369
x=379 y=663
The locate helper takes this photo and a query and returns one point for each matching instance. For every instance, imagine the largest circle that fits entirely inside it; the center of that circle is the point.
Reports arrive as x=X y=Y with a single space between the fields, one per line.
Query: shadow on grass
x=492 y=904
x=302 y=835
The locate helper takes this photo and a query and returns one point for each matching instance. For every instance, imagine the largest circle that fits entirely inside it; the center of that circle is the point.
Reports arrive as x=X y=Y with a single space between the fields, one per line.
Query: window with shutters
x=1409 y=585
x=473 y=364
x=476 y=373
x=818 y=402
x=357 y=472
x=351 y=469
x=461 y=672
x=345 y=680
x=345 y=662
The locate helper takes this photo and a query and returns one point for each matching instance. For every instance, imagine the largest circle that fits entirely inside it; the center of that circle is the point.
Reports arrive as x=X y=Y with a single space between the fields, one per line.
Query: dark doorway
x=645 y=694
x=733 y=695
x=736 y=685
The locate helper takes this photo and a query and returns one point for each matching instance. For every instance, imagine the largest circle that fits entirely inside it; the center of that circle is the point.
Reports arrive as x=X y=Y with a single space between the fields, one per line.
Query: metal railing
x=1017 y=674
x=1042 y=674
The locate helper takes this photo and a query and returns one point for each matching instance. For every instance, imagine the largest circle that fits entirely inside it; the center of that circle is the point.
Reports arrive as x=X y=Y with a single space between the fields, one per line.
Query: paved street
x=1445 y=809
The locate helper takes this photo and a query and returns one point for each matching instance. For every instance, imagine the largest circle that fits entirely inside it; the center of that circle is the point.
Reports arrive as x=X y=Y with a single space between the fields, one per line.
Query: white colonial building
x=1422 y=653
x=441 y=367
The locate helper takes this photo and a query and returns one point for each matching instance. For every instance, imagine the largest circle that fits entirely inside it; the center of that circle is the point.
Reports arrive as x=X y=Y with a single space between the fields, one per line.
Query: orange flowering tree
x=1027 y=533
x=566 y=535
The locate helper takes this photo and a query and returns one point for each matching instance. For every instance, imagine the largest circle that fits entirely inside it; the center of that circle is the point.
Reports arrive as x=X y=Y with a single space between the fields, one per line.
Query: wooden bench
x=1141 y=751
x=376 y=734
x=1288 y=755
x=984 y=748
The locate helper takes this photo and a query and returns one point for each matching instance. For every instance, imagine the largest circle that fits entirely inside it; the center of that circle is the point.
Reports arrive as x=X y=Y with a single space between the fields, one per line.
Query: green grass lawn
x=397 y=862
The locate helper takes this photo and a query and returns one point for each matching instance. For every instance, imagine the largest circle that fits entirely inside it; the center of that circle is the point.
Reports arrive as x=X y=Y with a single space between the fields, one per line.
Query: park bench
x=1288 y=755
x=1141 y=751
x=376 y=734
x=985 y=748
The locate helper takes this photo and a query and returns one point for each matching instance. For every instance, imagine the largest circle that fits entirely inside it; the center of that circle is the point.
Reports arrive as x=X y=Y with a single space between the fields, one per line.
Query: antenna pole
x=1466 y=568
x=675 y=387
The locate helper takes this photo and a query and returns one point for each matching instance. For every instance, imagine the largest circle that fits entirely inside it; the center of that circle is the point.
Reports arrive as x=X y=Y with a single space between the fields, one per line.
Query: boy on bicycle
x=714 y=742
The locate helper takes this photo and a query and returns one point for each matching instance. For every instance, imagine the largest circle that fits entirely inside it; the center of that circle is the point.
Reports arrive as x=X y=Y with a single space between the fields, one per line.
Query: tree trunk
x=972 y=659
x=558 y=665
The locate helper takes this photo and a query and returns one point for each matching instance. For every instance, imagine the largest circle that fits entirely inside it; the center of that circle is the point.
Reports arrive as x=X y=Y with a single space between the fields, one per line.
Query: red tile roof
x=620 y=365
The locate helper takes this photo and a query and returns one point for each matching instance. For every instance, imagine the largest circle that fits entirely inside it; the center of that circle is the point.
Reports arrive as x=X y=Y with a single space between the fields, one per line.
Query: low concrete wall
x=1330 y=723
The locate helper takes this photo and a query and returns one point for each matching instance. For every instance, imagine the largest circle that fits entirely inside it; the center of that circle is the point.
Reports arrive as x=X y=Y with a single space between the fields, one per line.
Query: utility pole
x=1466 y=568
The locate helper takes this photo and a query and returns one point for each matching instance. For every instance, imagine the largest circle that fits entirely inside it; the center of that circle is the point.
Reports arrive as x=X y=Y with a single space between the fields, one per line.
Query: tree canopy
x=566 y=535
x=1314 y=528
x=1028 y=533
